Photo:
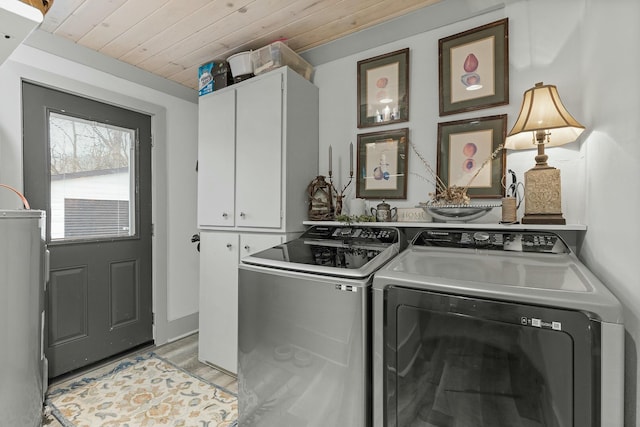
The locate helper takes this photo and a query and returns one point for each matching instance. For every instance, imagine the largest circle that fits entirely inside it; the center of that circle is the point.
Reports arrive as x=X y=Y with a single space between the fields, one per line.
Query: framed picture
x=383 y=89
x=382 y=165
x=465 y=150
x=474 y=68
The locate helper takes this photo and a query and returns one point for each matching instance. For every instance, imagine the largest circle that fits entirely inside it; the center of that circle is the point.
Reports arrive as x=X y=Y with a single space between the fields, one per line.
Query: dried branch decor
x=454 y=194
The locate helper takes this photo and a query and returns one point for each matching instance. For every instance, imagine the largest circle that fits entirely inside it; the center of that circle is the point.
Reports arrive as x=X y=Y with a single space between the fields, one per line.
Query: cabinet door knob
x=225 y=215
x=242 y=214
x=229 y=245
x=246 y=247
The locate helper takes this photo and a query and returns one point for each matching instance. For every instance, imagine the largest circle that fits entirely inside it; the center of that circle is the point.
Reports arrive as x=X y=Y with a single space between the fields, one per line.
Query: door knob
x=229 y=245
x=242 y=214
x=246 y=247
x=225 y=215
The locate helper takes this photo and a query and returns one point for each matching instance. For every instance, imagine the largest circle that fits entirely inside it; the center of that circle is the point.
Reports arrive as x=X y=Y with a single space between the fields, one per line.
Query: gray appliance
x=303 y=328
x=495 y=328
x=22 y=361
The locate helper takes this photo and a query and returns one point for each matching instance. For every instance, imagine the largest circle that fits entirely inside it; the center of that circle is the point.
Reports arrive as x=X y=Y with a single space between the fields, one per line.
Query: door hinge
x=153 y=230
x=153 y=318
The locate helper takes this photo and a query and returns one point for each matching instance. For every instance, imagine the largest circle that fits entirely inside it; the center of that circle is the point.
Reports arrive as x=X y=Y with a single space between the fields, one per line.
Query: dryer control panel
x=515 y=241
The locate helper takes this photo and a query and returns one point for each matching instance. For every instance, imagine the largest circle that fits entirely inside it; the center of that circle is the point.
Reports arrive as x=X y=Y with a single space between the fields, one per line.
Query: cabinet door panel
x=259 y=153
x=218 y=318
x=216 y=158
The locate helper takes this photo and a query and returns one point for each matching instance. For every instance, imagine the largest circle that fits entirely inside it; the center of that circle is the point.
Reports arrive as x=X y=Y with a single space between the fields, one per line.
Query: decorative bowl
x=458 y=213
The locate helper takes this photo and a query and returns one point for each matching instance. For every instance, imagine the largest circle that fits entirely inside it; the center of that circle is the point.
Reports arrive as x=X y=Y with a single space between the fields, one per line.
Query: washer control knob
x=345 y=231
x=481 y=237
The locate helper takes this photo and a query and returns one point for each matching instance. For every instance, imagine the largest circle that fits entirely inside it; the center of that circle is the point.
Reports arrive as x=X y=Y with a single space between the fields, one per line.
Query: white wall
x=611 y=102
x=588 y=49
x=337 y=81
x=174 y=127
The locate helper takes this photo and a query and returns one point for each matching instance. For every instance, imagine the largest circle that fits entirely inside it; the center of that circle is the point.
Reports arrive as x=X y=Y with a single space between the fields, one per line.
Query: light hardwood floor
x=182 y=352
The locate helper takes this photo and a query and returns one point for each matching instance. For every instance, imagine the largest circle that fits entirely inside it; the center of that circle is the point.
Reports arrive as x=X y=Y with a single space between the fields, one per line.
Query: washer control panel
x=354 y=234
x=515 y=241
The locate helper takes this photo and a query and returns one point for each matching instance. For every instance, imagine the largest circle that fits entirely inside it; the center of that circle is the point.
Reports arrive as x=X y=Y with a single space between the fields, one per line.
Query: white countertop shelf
x=469 y=225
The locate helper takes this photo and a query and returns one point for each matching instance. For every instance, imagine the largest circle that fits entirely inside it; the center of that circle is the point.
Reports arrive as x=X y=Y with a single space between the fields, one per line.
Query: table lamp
x=543 y=120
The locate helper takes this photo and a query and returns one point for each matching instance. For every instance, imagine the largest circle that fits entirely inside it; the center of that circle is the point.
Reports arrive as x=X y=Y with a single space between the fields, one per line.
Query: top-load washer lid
x=520 y=266
x=344 y=251
x=550 y=272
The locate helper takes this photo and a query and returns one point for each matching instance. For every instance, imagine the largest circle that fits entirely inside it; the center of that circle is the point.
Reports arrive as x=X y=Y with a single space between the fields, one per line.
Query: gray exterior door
x=88 y=165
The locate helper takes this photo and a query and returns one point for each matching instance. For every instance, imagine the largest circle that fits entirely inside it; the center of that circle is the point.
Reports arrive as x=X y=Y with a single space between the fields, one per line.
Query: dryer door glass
x=462 y=361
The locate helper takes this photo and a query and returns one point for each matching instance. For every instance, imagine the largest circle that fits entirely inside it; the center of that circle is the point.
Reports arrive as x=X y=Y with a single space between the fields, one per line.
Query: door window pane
x=92 y=179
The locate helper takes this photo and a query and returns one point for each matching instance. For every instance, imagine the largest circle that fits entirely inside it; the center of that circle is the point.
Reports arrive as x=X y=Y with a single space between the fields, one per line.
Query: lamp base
x=543 y=219
x=542 y=200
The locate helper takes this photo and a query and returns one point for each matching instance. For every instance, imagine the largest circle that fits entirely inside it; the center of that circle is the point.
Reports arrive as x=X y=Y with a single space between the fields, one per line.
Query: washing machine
x=491 y=328
x=304 y=327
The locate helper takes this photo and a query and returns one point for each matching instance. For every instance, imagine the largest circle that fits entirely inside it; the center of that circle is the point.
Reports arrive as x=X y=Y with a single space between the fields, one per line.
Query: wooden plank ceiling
x=171 y=38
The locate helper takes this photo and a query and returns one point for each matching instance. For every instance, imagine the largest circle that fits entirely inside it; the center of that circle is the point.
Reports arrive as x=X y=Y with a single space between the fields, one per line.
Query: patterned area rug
x=145 y=391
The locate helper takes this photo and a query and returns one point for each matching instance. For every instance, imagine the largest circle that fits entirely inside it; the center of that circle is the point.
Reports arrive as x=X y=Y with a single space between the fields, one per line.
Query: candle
x=330 y=160
x=351 y=159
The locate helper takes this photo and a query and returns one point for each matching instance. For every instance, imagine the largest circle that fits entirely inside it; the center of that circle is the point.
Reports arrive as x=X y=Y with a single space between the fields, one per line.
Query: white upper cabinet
x=257 y=152
x=216 y=160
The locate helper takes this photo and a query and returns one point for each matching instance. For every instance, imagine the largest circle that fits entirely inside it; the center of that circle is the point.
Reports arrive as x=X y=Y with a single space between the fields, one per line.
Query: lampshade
x=542 y=110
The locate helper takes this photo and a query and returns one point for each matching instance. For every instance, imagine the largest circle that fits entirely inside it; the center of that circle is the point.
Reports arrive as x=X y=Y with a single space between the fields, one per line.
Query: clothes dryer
x=495 y=328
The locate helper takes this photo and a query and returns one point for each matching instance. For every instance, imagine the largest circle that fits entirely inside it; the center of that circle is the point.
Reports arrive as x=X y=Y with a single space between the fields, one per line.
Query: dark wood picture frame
x=382 y=164
x=463 y=148
x=383 y=89
x=474 y=68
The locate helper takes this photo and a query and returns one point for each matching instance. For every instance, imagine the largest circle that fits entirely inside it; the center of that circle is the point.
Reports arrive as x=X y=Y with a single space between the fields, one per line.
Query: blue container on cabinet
x=213 y=76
